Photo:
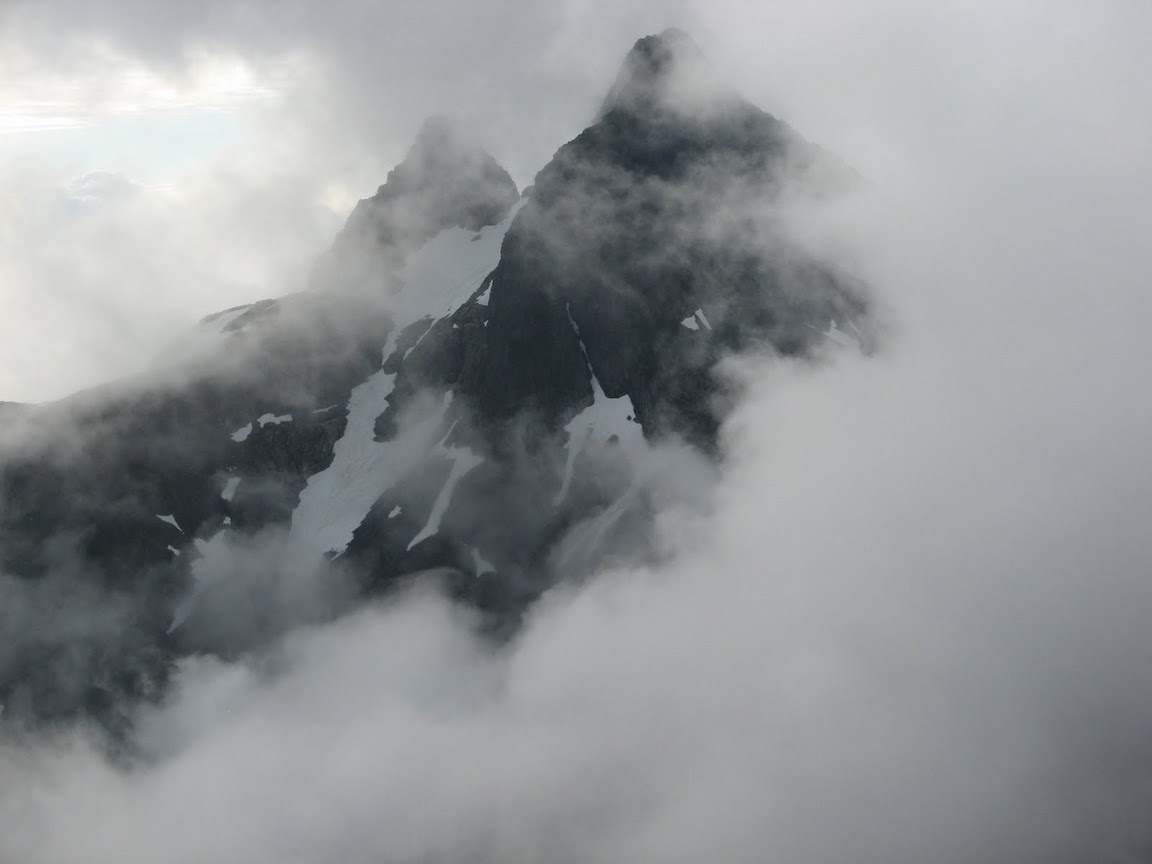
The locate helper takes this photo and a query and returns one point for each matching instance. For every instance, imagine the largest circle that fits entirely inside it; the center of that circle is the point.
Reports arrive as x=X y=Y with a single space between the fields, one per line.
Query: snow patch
x=174 y=551
x=336 y=500
x=482 y=300
x=431 y=323
x=394 y=512
x=600 y=421
x=463 y=461
x=435 y=281
x=171 y=520
x=229 y=491
x=703 y=320
x=440 y=276
x=481 y=565
x=690 y=323
x=241 y=434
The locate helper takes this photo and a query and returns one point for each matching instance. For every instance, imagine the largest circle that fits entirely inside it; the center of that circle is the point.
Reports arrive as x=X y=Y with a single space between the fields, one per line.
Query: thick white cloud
x=97 y=279
x=912 y=628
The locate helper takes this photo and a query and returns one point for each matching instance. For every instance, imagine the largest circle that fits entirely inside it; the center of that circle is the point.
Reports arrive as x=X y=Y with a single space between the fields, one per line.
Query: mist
x=910 y=623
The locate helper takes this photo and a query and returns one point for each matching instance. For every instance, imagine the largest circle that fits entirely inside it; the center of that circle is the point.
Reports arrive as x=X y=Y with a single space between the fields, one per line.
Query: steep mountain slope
x=470 y=388
x=661 y=208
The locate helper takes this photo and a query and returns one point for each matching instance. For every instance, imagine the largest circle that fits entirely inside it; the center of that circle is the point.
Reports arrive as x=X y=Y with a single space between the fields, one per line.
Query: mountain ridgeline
x=469 y=392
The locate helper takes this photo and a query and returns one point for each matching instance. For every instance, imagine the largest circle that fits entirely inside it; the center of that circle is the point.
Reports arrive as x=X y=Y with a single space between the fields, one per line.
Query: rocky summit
x=469 y=392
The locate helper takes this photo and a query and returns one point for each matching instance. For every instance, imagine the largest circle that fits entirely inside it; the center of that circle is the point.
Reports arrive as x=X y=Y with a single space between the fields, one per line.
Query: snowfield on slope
x=436 y=280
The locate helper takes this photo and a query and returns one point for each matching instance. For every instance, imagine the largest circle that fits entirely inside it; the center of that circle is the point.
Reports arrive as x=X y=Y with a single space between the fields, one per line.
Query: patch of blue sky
x=148 y=146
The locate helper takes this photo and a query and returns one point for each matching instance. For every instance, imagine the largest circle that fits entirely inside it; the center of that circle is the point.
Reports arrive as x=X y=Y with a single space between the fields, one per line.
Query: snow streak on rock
x=230 y=486
x=436 y=280
x=463 y=461
x=601 y=421
x=171 y=520
x=481 y=564
x=337 y=499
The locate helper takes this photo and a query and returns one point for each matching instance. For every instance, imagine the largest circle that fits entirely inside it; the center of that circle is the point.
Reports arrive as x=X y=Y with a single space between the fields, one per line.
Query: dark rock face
x=81 y=496
x=489 y=446
x=656 y=67
x=655 y=211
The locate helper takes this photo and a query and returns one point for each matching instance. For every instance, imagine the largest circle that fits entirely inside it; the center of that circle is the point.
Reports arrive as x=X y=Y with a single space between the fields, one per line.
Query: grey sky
x=253 y=126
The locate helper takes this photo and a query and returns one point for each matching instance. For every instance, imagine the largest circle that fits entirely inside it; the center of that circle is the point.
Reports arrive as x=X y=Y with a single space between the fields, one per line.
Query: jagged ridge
x=531 y=351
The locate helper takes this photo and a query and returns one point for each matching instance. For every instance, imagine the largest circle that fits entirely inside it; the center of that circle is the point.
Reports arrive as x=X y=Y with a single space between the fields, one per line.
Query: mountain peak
x=470 y=395
x=445 y=180
x=672 y=44
x=439 y=144
x=656 y=71
x=436 y=127
x=455 y=170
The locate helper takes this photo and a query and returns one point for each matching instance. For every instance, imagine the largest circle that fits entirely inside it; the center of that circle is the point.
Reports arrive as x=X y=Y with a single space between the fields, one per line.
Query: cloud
x=98 y=285
x=899 y=636
x=323 y=102
x=913 y=625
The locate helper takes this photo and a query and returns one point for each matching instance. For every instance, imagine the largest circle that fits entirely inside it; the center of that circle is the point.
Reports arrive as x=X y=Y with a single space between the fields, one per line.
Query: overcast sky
x=240 y=133
x=914 y=626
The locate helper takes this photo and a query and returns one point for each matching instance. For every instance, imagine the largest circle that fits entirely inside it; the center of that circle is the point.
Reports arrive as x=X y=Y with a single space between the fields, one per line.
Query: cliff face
x=660 y=210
